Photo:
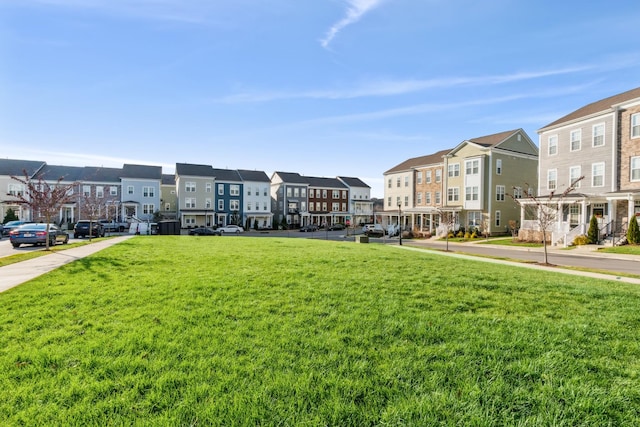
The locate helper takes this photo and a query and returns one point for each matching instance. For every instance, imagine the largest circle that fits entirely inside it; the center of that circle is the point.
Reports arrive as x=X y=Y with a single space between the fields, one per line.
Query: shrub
x=581 y=240
x=633 y=232
x=467 y=235
x=460 y=234
x=593 y=232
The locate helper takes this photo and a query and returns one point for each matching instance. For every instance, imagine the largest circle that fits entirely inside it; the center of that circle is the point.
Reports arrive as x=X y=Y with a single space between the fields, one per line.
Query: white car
x=230 y=229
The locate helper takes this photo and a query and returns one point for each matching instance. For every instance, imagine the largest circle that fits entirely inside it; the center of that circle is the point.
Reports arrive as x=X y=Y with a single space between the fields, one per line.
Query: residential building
x=600 y=142
x=229 y=197
x=168 y=197
x=195 y=193
x=9 y=187
x=256 y=203
x=289 y=199
x=483 y=176
x=140 y=191
x=328 y=201
x=360 y=203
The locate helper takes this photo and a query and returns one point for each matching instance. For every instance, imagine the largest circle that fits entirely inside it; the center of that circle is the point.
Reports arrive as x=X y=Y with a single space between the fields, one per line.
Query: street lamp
x=399 y=219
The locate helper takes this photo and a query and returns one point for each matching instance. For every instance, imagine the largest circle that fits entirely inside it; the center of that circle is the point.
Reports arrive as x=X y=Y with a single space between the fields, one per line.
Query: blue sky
x=319 y=87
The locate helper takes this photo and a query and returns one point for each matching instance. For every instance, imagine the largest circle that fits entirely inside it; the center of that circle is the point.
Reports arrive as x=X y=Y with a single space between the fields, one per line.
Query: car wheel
x=237 y=231
x=66 y=240
x=16 y=245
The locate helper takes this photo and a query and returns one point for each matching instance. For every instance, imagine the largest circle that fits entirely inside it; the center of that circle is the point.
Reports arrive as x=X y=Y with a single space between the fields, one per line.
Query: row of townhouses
x=476 y=182
x=196 y=195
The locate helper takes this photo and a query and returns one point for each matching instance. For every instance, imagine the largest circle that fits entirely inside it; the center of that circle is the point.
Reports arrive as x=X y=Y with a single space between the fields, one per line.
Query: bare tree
x=448 y=220
x=545 y=209
x=43 y=199
x=93 y=206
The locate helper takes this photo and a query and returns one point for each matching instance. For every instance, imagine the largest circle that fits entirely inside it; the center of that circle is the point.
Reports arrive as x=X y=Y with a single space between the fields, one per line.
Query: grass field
x=234 y=331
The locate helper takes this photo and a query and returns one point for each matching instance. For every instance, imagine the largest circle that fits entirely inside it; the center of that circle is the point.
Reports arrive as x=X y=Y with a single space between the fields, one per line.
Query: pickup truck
x=114 y=225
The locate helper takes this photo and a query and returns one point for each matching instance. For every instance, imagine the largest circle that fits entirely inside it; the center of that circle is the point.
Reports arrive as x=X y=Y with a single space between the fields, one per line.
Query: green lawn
x=625 y=249
x=238 y=331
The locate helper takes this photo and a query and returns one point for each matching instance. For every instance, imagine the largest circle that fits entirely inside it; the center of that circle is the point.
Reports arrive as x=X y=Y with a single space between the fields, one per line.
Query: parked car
x=11 y=225
x=309 y=228
x=336 y=227
x=36 y=234
x=373 y=230
x=1 y=231
x=230 y=229
x=84 y=228
x=203 y=231
x=114 y=225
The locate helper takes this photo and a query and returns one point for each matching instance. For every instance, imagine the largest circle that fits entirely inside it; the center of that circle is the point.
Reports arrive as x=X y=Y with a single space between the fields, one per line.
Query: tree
x=235 y=218
x=633 y=232
x=448 y=219
x=44 y=199
x=93 y=206
x=593 y=232
x=10 y=216
x=513 y=226
x=545 y=210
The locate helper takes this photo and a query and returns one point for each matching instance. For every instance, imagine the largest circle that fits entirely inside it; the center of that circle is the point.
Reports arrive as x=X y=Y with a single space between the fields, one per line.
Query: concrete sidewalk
x=15 y=274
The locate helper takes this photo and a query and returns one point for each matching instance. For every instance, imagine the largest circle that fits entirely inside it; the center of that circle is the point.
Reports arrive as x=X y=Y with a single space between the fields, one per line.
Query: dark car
x=86 y=228
x=309 y=228
x=203 y=231
x=11 y=225
x=36 y=234
x=336 y=227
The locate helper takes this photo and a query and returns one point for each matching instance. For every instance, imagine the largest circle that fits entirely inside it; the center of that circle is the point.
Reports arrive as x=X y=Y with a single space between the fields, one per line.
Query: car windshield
x=34 y=227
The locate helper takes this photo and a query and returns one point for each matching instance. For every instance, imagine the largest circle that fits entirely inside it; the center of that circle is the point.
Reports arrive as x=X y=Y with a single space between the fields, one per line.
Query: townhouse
x=9 y=188
x=256 y=204
x=600 y=142
x=328 y=201
x=140 y=191
x=360 y=204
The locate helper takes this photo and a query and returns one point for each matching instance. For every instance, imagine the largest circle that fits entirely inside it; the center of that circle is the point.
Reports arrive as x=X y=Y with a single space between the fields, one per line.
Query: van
x=143 y=228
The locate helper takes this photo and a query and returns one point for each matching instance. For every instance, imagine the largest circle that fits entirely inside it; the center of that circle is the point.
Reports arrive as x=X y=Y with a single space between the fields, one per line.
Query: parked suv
x=373 y=230
x=83 y=226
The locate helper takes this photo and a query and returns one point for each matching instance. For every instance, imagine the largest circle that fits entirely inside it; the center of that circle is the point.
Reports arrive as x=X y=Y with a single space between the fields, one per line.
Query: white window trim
x=593 y=135
x=631 y=168
x=549 y=171
x=579 y=140
x=635 y=118
x=593 y=176
x=571 y=178
x=554 y=139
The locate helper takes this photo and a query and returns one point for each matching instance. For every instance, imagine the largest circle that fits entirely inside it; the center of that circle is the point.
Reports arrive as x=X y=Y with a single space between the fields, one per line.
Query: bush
x=460 y=234
x=581 y=240
x=633 y=232
x=593 y=232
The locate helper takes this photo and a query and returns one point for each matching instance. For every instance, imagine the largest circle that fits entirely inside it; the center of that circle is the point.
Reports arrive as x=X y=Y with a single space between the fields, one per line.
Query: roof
x=10 y=167
x=64 y=173
x=256 y=176
x=430 y=159
x=602 y=106
x=226 y=175
x=188 y=169
x=291 y=177
x=101 y=174
x=353 y=182
x=493 y=140
x=168 y=179
x=141 y=172
x=325 y=182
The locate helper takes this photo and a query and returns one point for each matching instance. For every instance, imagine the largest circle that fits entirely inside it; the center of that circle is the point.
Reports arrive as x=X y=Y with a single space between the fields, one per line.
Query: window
x=498 y=218
x=598 y=135
x=471 y=193
x=318 y=195
x=324 y=207
x=398 y=201
x=100 y=191
x=343 y=207
x=438 y=175
x=208 y=187
x=635 y=125
x=335 y=194
x=148 y=192
x=575 y=137
x=406 y=181
x=453 y=194
x=257 y=206
x=635 y=169
x=113 y=190
x=303 y=192
x=438 y=198
x=498 y=166
x=130 y=189
x=517 y=193
x=324 y=194
x=500 y=193
x=190 y=187
x=574 y=173
x=221 y=190
x=398 y=182
x=190 y=220
x=419 y=198
x=303 y=206
x=148 y=208
x=389 y=183
x=190 y=202
x=220 y=205
x=406 y=200
x=597 y=174
x=552 y=179
x=167 y=206
x=207 y=204
x=419 y=177
x=312 y=206
x=265 y=191
x=553 y=145
x=344 y=194
x=428 y=178
x=335 y=207
x=427 y=198
x=453 y=170
x=474 y=219
x=86 y=190
x=388 y=201
x=471 y=167
x=234 y=205
x=15 y=189
x=234 y=190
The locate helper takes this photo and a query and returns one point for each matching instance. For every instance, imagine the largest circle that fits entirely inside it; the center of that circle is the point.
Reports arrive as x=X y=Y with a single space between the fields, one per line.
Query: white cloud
x=355 y=10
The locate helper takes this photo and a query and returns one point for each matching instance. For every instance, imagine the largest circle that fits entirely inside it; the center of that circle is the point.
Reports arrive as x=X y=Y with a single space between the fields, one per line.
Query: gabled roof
x=415 y=162
x=226 y=175
x=141 y=172
x=497 y=140
x=168 y=179
x=353 y=182
x=11 y=167
x=255 y=176
x=55 y=172
x=101 y=174
x=493 y=140
x=318 y=182
x=603 y=106
x=188 y=169
x=291 y=177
